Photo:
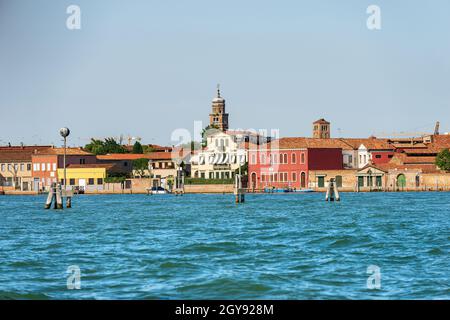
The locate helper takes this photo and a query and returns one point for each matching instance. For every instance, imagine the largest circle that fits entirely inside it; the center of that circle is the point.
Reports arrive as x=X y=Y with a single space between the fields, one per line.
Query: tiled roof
x=60 y=151
x=369 y=143
x=302 y=143
x=23 y=148
x=321 y=121
x=15 y=156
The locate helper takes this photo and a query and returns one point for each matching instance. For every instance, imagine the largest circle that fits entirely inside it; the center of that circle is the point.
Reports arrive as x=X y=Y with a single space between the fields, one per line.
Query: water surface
x=281 y=246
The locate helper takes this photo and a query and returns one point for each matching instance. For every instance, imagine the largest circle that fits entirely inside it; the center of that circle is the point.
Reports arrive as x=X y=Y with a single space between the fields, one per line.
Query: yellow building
x=87 y=176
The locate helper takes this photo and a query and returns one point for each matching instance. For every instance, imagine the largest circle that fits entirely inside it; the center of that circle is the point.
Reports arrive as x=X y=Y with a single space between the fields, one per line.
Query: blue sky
x=145 y=68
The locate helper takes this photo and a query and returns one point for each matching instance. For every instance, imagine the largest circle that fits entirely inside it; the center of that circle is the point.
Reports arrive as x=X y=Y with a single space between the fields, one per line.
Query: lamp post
x=64 y=132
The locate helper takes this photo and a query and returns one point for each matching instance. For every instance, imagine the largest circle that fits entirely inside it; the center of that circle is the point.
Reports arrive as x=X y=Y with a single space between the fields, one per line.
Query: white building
x=221 y=157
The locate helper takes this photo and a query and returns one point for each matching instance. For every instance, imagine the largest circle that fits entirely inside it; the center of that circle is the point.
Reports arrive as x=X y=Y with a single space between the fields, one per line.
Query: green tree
x=112 y=146
x=207 y=131
x=244 y=169
x=137 y=148
x=95 y=146
x=109 y=145
x=140 y=166
x=443 y=160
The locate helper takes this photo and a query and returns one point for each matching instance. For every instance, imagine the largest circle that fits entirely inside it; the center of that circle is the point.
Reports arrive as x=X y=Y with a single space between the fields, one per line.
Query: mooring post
x=58 y=193
x=330 y=191
x=68 y=202
x=50 y=196
x=336 y=191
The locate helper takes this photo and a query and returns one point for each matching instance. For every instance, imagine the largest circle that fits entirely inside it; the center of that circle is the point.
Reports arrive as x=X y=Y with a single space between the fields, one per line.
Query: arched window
x=302 y=159
x=285 y=156
x=293 y=158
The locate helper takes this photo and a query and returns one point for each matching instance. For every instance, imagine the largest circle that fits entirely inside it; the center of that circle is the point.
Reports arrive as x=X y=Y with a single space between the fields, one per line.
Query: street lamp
x=64 y=132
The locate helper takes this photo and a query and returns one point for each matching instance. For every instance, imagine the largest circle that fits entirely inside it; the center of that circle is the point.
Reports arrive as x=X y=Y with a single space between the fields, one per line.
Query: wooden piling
x=51 y=195
x=59 y=201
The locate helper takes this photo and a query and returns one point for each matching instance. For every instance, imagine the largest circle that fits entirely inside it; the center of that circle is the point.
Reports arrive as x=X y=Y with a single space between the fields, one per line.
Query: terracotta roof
x=60 y=151
x=15 y=156
x=321 y=121
x=302 y=143
x=23 y=148
x=370 y=143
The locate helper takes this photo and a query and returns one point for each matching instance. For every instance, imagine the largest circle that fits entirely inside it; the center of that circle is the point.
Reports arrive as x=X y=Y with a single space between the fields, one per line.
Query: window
x=43 y=167
x=285 y=158
x=294 y=176
x=263 y=158
x=90 y=181
x=72 y=182
x=302 y=158
x=293 y=158
x=82 y=161
x=378 y=181
x=211 y=175
x=54 y=167
x=360 y=181
x=9 y=167
x=49 y=167
x=125 y=164
x=378 y=156
x=350 y=159
x=3 y=167
x=100 y=181
x=16 y=167
x=22 y=167
x=28 y=166
x=390 y=156
x=321 y=182
x=253 y=159
x=62 y=182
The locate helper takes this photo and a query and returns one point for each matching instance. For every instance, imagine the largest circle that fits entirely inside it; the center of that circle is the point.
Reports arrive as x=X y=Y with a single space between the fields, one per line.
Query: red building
x=286 y=162
x=45 y=164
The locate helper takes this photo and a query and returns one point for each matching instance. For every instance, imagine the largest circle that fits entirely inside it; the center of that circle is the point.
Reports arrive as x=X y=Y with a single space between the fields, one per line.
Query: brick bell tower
x=321 y=129
x=218 y=117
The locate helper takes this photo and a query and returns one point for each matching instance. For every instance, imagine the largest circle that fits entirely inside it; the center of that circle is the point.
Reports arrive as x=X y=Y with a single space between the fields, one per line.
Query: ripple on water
x=204 y=246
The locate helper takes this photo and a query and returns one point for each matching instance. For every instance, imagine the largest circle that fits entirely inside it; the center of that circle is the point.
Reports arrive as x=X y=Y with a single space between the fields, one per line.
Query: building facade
x=221 y=157
x=286 y=162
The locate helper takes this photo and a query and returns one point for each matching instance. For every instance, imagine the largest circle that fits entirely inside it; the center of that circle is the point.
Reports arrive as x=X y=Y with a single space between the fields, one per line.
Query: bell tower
x=321 y=129
x=218 y=117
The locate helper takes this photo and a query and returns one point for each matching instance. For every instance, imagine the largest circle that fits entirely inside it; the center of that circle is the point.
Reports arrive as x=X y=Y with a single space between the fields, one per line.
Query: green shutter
x=321 y=182
x=360 y=181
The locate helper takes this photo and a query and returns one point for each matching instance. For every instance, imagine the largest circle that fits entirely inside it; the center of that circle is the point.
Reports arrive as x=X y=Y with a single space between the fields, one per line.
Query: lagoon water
x=279 y=246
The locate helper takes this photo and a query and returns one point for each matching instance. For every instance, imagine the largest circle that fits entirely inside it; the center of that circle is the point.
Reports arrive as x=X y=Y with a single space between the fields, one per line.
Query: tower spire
x=218 y=90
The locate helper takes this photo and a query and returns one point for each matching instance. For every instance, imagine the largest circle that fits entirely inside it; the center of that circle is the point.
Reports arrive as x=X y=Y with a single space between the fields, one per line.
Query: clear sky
x=145 y=68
